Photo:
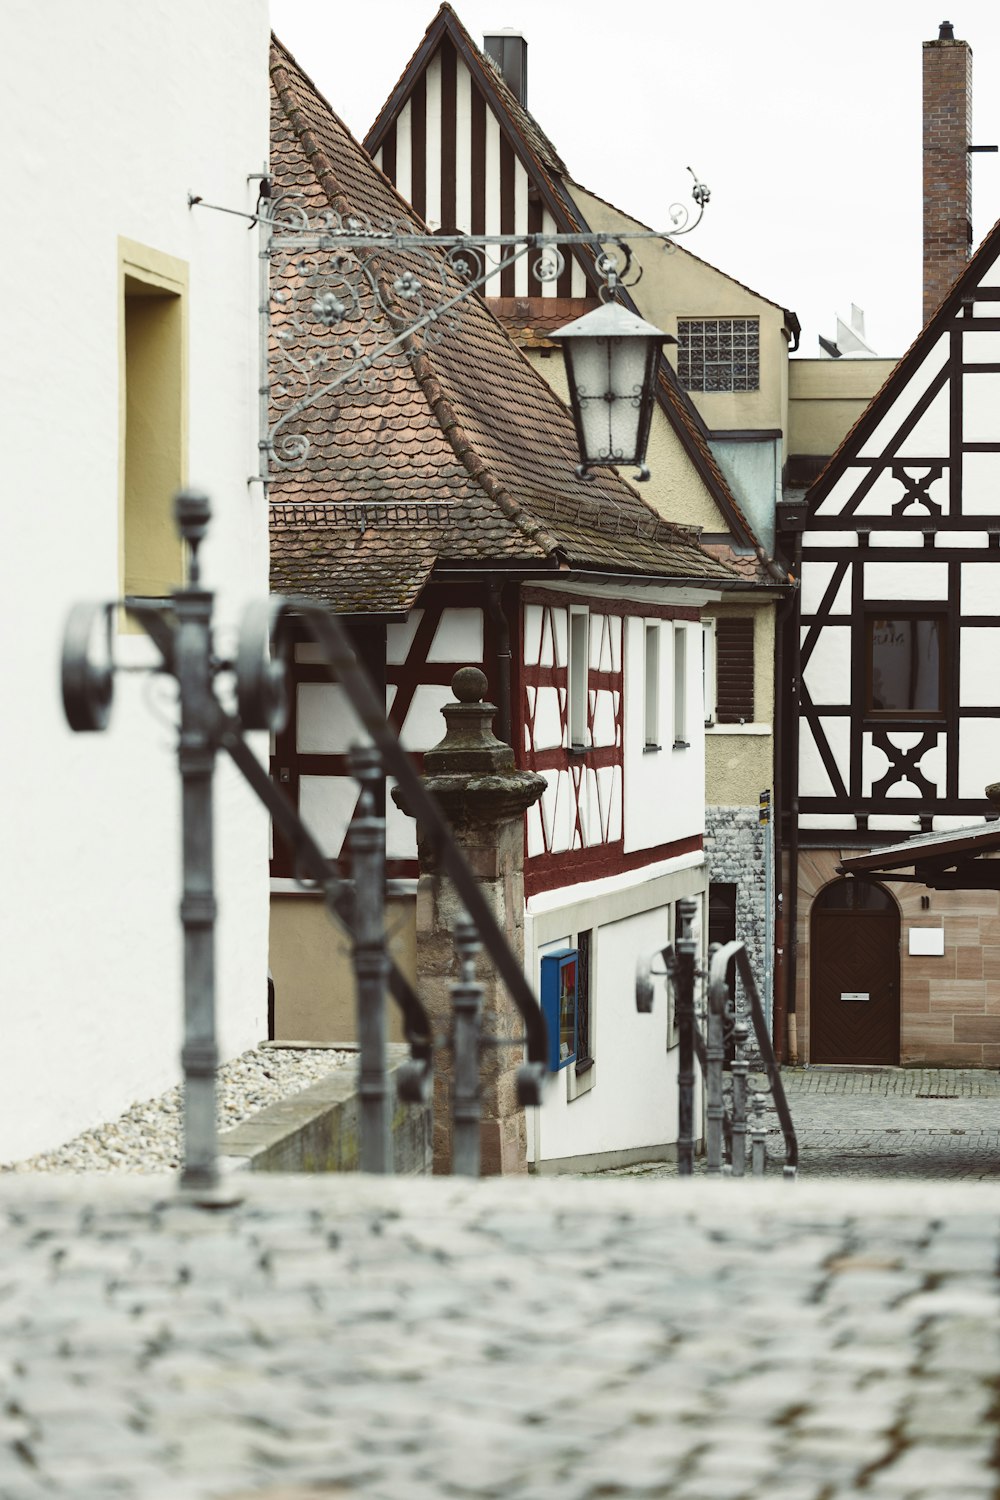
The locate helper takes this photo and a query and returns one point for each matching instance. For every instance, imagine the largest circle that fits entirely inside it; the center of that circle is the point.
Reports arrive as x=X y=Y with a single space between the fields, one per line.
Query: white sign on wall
x=927 y=941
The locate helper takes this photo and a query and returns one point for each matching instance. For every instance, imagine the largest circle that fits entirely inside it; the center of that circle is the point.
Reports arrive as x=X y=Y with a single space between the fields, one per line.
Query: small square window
x=719 y=354
x=906 y=653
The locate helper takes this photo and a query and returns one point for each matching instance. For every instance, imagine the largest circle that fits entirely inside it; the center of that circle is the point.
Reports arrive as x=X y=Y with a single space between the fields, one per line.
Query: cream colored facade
x=739 y=758
x=826 y=397
x=678 y=284
x=312 y=968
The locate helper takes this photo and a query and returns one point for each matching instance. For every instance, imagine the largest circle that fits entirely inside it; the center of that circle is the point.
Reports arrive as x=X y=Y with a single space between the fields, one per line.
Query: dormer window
x=719 y=354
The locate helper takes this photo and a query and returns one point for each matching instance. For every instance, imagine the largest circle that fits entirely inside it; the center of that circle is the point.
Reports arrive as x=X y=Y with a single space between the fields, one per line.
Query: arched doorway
x=854 y=985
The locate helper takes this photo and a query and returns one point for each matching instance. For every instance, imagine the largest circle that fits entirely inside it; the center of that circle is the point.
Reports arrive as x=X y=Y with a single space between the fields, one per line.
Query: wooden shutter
x=734 y=671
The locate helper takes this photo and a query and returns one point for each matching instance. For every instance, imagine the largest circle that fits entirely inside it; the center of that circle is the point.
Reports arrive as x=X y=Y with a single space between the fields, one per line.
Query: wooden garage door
x=854 y=989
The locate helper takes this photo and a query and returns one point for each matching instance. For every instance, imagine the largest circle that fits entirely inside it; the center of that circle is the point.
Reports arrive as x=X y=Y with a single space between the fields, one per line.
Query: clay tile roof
x=458 y=455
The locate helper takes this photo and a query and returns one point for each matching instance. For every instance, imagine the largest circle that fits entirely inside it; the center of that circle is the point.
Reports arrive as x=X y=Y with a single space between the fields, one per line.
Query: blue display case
x=559 y=997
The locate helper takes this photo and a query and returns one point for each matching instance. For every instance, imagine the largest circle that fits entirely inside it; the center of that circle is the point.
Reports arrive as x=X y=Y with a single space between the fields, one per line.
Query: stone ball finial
x=193 y=511
x=993 y=793
x=469 y=685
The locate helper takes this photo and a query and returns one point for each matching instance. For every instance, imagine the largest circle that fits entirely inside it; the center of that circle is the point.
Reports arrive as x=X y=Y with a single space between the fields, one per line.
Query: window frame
x=578 y=680
x=891 y=610
x=147 y=273
x=709 y=659
x=680 y=685
x=651 y=685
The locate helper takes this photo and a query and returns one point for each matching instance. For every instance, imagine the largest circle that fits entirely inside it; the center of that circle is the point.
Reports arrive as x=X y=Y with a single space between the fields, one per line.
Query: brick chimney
x=947 y=164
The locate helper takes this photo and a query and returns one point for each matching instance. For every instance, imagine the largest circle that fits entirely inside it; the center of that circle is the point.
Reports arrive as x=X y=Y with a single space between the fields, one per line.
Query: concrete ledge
x=318 y=1129
x=602 y=1161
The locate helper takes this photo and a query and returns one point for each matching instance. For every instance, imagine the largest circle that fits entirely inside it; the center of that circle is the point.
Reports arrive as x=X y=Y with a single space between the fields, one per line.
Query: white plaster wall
x=981 y=484
x=118 y=117
x=458 y=638
x=980 y=399
x=928 y=429
x=633 y=1102
x=665 y=788
x=906 y=581
x=978 y=756
x=827 y=673
x=980 y=588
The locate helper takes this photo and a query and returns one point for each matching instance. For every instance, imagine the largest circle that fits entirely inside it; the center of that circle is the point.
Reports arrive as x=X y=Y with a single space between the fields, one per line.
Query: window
x=559 y=1004
x=708 y=670
x=584 y=1050
x=719 y=354
x=153 y=360
x=566 y=996
x=905 y=662
x=651 y=699
x=680 y=687
x=734 y=668
x=579 y=667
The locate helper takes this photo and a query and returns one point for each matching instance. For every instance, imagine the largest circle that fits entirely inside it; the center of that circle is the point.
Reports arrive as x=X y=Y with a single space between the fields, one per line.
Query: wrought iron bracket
x=342 y=297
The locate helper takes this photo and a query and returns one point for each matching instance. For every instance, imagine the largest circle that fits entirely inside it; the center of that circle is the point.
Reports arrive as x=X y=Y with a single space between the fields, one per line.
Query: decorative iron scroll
x=343 y=298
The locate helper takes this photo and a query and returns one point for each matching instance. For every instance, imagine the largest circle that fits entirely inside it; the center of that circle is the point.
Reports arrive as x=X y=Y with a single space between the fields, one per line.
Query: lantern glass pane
x=628 y=363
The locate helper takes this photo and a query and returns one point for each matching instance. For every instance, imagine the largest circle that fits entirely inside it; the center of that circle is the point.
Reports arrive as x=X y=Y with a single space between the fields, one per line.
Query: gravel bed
x=147 y=1138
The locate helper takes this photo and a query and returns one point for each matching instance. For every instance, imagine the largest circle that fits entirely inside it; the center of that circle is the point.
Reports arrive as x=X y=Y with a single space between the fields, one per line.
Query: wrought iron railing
x=735 y=1110
x=181 y=629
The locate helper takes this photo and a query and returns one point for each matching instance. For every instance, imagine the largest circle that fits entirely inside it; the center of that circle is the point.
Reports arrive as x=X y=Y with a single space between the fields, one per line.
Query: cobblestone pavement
x=896 y=1122
x=533 y=1338
x=927 y=1123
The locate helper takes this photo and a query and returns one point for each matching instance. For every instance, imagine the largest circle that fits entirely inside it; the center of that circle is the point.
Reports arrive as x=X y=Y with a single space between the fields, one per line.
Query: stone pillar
x=472 y=775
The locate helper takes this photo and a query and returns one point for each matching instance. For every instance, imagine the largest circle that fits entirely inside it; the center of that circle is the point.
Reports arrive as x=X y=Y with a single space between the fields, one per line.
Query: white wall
x=665 y=788
x=112 y=117
x=633 y=1099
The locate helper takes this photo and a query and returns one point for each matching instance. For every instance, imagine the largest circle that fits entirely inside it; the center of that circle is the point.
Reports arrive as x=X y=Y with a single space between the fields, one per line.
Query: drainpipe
x=779 y=1019
x=792 y=916
x=502 y=687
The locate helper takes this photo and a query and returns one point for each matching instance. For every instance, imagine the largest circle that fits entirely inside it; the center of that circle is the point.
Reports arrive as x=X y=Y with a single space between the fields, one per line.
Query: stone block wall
x=734 y=848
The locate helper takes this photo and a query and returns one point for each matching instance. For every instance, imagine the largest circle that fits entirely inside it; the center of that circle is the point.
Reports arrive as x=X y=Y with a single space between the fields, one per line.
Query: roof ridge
x=315 y=155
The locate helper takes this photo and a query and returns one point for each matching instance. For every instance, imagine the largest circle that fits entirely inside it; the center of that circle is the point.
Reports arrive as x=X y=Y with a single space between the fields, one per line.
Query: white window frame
x=651 y=684
x=578 y=678
x=681 y=741
x=708 y=669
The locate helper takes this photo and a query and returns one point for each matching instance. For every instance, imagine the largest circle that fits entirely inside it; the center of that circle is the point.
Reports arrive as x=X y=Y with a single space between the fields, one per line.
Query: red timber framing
x=289 y=764
x=597 y=845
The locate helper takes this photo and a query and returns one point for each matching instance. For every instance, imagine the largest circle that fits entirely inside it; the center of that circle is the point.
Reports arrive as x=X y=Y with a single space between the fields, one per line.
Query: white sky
x=802 y=116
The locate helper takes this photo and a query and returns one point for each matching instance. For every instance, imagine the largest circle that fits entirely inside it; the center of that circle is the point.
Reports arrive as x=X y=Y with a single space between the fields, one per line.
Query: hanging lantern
x=611 y=357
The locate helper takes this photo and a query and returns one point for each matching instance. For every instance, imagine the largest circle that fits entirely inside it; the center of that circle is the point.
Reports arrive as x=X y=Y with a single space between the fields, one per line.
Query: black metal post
x=740 y=1069
x=193 y=668
x=371 y=963
x=715 y=1054
x=466 y=1001
x=685 y=949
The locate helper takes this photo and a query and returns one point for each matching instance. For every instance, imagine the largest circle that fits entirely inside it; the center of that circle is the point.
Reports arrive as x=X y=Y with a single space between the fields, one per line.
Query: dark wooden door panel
x=855 y=953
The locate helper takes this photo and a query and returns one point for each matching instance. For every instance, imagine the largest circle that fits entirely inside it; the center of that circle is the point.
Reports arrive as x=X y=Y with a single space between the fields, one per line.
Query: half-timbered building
x=439 y=510
x=896 y=703
x=456 y=136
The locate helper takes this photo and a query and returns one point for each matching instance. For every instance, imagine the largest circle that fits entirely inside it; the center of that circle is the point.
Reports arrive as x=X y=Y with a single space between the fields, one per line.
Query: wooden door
x=854 y=992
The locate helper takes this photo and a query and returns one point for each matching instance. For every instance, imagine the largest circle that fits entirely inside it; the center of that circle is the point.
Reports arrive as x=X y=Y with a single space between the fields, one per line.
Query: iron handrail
x=719 y=991
x=344 y=667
